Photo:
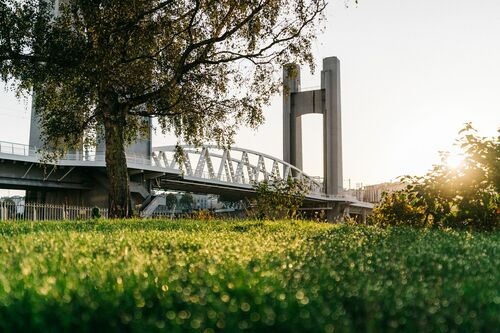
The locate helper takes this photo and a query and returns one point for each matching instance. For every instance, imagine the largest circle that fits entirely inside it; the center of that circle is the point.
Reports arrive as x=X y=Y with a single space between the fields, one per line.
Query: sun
x=454 y=160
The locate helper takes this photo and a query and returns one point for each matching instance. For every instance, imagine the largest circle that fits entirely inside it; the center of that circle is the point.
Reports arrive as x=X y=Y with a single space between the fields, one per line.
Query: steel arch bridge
x=207 y=169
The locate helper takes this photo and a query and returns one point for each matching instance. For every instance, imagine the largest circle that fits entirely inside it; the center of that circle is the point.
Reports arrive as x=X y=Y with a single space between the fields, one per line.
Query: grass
x=188 y=276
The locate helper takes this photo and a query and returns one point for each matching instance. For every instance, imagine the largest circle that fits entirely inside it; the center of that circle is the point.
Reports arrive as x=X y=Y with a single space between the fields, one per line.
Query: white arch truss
x=235 y=165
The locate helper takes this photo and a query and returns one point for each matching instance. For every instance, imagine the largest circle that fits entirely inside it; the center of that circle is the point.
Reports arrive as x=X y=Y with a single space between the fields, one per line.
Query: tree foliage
x=279 y=199
x=170 y=200
x=201 y=67
x=95 y=213
x=186 y=201
x=467 y=196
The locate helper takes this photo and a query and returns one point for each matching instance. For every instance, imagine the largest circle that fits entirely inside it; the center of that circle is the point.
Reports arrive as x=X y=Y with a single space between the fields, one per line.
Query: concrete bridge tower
x=325 y=101
x=141 y=147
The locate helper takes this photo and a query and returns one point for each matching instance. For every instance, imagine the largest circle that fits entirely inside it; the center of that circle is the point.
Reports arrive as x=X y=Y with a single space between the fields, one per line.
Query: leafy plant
x=186 y=201
x=467 y=196
x=95 y=213
x=397 y=209
x=170 y=201
x=202 y=215
x=278 y=198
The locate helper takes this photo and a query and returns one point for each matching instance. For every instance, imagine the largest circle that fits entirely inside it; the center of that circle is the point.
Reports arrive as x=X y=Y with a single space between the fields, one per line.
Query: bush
x=170 y=201
x=202 y=215
x=186 y=202
x=279 y=199
x=396 y=209
x=95 y=213
x=467 y=196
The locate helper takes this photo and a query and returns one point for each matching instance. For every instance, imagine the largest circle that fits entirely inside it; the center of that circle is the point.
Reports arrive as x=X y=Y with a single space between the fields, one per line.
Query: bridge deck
x=206 y=170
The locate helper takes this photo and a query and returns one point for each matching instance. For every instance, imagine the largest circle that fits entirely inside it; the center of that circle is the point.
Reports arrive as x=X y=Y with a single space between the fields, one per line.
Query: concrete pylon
x=325 y=101
x=332 y=127
x=141 y=147
x=292 y=125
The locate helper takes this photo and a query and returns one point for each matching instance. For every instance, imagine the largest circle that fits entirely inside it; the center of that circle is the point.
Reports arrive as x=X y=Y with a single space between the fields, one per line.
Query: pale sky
x=412 y=73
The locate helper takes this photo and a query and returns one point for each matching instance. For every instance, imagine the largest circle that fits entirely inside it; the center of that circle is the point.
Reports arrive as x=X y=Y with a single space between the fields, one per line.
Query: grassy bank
x=147 y=276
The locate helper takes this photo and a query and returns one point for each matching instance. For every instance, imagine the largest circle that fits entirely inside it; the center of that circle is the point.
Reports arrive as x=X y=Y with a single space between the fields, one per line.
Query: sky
x=412 y=73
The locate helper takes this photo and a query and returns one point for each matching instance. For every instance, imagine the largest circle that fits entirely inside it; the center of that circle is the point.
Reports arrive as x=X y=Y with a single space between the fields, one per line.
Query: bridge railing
x=18 y=149
x=20 y=211
x=12 y=148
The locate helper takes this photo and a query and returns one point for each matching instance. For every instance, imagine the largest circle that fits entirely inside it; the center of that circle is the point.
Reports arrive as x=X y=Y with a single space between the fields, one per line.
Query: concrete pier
x=326 y=101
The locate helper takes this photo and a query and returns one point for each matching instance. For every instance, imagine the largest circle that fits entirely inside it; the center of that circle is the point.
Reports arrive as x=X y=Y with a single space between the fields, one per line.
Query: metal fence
x=11 y=211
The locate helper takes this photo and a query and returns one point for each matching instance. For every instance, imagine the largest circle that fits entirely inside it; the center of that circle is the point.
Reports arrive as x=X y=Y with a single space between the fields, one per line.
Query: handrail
x=19 y=149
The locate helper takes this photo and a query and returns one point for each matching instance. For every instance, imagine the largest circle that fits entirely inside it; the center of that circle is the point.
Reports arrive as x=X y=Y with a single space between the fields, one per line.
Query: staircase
x=149 y=209
x=139 y=188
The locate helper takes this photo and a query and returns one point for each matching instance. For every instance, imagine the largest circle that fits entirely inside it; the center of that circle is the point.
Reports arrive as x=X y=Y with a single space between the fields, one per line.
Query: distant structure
x=373 y=193
x=325 y=101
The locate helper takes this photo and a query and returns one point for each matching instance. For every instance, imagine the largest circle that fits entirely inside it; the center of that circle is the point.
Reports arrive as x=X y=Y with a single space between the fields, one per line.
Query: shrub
x=95 y=213
x=170 y=201
x=467 y=196
x=397 y=209
x=186 y=202
x=202 y=215
x=278 y=198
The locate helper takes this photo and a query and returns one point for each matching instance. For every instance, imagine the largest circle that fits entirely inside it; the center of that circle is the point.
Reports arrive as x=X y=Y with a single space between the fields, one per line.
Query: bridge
x=231 y=173
x=79 y=178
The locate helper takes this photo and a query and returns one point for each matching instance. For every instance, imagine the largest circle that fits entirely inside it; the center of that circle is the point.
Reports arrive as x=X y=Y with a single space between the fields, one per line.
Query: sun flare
x=454 y=160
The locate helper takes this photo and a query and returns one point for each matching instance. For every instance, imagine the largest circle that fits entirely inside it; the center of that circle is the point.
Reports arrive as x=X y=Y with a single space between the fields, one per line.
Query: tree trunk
x=114 y=119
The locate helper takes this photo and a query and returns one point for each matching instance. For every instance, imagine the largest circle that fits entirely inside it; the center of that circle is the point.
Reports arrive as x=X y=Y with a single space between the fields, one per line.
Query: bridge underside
x=70 y=185
x=227 y=191
x=312 y=204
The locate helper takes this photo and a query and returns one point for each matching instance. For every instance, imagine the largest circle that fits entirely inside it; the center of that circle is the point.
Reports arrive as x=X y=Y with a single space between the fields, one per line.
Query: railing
x=11 y=211
x=19 y=149
x=15 y=148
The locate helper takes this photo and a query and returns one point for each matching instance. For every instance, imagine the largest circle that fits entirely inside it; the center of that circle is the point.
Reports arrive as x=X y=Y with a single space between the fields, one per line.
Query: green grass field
x=188 y=276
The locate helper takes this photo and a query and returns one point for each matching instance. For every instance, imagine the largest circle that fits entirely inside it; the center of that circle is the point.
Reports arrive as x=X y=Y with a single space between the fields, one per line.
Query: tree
x=187 y=201
x=170 y=200
x=467 y=196
x=201 y=67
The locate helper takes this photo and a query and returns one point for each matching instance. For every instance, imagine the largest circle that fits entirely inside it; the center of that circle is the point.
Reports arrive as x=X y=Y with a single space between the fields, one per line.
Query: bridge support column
x=325 y=101
x=332 y=127
x=336 y=213
x=292 y=124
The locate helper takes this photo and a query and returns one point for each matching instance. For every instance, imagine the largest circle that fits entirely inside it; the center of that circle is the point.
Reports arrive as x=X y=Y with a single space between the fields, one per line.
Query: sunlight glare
x=454 y=160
